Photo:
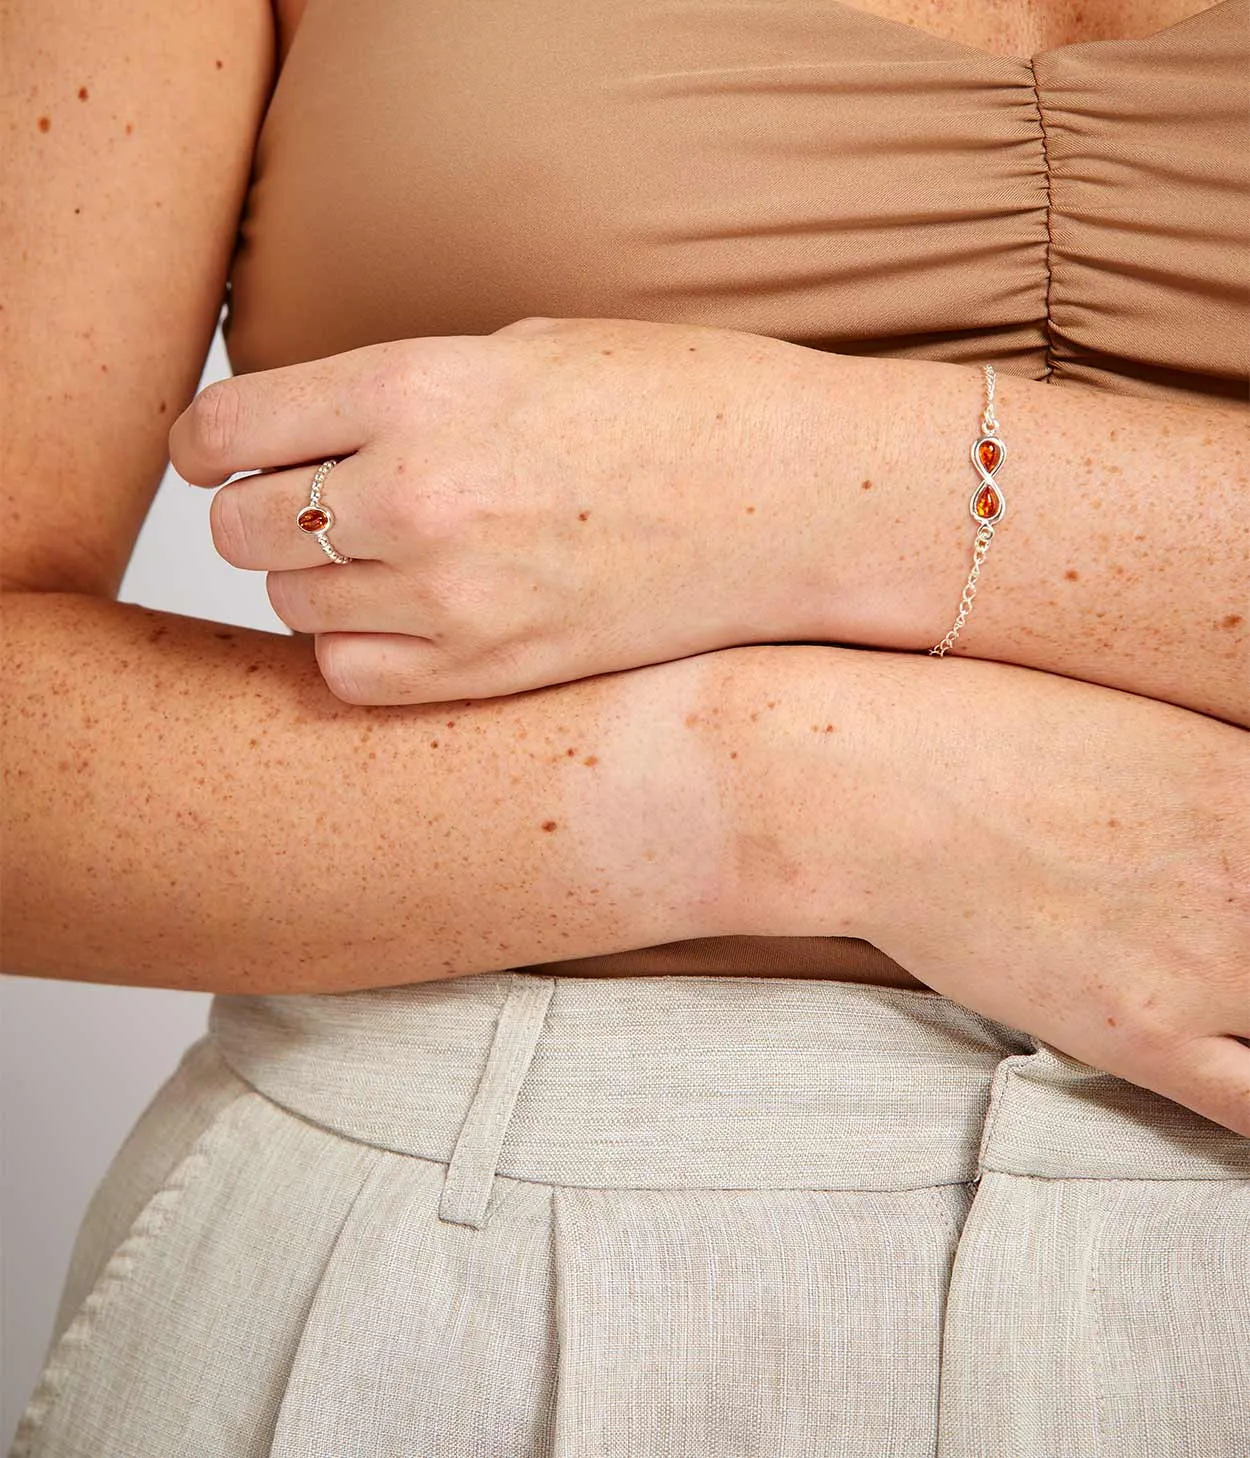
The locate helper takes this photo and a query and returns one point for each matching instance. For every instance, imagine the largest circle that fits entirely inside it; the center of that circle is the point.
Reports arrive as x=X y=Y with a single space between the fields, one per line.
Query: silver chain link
x=984 y=536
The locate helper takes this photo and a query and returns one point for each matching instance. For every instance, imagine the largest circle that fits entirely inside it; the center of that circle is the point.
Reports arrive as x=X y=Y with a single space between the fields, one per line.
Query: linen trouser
x=662 y=1217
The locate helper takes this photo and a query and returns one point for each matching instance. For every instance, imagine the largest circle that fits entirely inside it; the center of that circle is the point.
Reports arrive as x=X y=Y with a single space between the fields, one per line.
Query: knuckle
x=399 y=361
x=531 y=324
x=228 y=524
x=438 y=372
x=442 y=516
x=439 y=513
x=457 y=605
x=214 y=418
x=290 y=603
x=339 y=668
x=504 y=666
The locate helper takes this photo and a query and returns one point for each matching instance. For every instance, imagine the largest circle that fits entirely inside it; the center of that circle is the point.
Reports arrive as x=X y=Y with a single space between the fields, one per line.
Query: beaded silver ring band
x=316 y=519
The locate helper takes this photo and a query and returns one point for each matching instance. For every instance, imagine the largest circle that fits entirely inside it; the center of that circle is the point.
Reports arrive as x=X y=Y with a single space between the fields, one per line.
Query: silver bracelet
x=986 y=507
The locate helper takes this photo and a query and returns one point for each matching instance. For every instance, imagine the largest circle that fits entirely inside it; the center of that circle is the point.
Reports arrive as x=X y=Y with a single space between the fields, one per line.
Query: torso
x=1010 y=28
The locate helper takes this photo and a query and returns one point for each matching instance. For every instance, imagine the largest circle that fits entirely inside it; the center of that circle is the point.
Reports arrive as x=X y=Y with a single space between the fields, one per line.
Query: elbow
x=83 y=578
x=47 y=561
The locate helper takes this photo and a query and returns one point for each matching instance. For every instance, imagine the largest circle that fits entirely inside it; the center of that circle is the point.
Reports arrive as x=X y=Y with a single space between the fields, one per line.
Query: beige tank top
x=797 y=168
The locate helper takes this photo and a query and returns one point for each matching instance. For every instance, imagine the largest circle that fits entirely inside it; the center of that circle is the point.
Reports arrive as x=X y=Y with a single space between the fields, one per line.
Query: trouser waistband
x=685 y=1082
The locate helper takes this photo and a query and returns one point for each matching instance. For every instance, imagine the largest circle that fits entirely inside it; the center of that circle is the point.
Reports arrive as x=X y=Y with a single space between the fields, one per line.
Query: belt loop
x=1001 y=1089
x=471 y=1171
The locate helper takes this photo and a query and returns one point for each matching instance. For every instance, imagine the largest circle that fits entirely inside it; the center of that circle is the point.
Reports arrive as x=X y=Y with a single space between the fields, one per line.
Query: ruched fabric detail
x=794 y=168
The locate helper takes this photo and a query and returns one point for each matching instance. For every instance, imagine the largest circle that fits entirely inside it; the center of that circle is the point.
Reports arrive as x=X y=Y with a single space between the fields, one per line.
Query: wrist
x=802 y=770
x=660 y=823
x=884 y=551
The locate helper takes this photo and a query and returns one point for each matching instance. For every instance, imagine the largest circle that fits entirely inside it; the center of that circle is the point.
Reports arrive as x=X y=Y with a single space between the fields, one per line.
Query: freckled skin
x=1115 y=554
x=332 y=744
x=445 y=862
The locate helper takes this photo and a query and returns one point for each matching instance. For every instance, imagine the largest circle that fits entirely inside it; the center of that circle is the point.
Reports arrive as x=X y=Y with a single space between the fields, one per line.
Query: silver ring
x=315 y=520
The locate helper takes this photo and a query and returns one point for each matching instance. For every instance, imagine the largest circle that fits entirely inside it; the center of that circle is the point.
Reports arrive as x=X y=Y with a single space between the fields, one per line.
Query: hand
x=558 y=499
x=1067 y=859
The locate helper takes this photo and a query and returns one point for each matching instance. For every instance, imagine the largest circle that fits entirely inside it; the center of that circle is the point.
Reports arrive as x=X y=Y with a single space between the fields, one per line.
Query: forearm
x=188 y=806
x=876 y=786
x=1070 y=860
x=1121 y=557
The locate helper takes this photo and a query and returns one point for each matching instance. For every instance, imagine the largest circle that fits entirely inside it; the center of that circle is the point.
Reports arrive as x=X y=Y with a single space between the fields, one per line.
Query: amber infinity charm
x=987 y=502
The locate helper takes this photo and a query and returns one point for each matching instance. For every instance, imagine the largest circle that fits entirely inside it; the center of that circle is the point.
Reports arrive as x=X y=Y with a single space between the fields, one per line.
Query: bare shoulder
x=130 y=129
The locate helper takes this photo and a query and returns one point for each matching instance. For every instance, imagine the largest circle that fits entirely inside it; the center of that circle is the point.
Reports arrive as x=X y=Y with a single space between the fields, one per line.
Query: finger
x=393 y=668
x=253 y=520
x=1210 y=1075
x=362 y=598
x=300 y=412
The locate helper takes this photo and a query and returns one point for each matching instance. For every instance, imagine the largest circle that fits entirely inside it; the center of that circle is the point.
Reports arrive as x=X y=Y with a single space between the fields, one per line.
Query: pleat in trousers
x=518 y=1216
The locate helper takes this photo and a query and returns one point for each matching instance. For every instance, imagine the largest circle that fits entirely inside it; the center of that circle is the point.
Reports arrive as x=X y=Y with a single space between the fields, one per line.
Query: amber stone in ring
x=313 y=519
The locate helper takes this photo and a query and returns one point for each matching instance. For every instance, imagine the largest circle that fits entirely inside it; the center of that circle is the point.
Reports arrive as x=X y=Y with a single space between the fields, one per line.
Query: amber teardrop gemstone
x=313 y=519
x=987 y=503
x=990 y=453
